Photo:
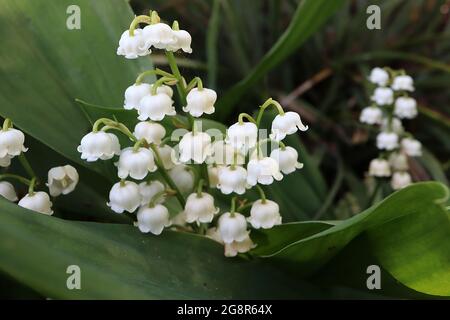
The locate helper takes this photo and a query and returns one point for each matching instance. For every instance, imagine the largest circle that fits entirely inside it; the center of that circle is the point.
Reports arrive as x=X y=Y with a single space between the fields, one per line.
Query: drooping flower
x=232 y=249
x=99 y=145
x=153 y=219
x=37 y=201
x=403 y=82
x=287 y=159
x=183 y=41
x=387 y=141
x=200 y=101
x=286 y=124
x=7 y=191
x=200 y=208
x=405 y=107
x=379 y=168
x=379 y=77
x=213 y=175
x=371 y=115
x=232 y=179
x=224 y=153
x=167 y=155
x=195 y=146
x=383 y=96
x=159 y=35
x=134 y=46
x=411 y=147
x=400 y=180
x=135 y=163
x=11 y=143
x=243 y=135
x=134 y=94
x=124 y=196
x=183 y=177
x=149 y=189
x=155 y=107
x=398 y=161
x=264 y=214
x=232 y=227
x=62 y=180
x=263 y=170
x=152 y=132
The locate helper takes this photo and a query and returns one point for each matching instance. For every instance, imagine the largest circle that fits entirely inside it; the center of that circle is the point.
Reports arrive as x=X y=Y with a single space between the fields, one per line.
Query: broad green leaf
x=408 y=232
x=45 y=66
x=309 y=16
x=119 y=262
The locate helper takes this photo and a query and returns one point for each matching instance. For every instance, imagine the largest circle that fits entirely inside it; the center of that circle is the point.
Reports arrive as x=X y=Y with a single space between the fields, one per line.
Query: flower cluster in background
x=157 y=166
x=391 y=104
x=61 y=180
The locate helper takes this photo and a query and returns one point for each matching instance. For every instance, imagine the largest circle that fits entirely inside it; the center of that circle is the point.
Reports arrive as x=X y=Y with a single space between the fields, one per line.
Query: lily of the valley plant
x=392 y=104
x=192 y=164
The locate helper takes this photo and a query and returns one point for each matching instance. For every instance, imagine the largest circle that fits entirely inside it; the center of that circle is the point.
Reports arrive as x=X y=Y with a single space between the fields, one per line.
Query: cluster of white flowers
x=391 y=104
x=193 y=164
x=61 y=180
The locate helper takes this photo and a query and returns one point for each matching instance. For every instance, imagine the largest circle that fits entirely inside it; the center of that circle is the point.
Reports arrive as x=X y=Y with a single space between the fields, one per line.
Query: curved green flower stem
x=156 y=197
x=233 y=206
x=204 y=168
x=26 y=165
x=156 y=71
x=21 y=179
x=247 y=116
x=165 y=175
x=261 y=193
x=195 y=82
x=31 y=186
x=245 y=206
x=182 y=90
x=261 y=142
x=162 y=81
x=269 y=102
x=175 y=26
x=113 y=125
x=138 y=144
x=136 y=21
x=7 y=124
x=199 y=188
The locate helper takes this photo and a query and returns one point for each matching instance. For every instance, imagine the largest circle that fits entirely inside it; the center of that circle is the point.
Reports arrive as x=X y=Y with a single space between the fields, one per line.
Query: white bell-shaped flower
x=167 y=155
x=135 y=163
x=224 y=153
x=5 y=161
x=400 y=180
x=124 y=196
x=159 y=35
x=232 y=249
x=264 y=214
x=134 y=46
x=404 y=83
x=62 y=180
x=263 y=170
x=99 y=145
x=183 y=177
x=286 y=124
x=387 y=141
x=405 y=107
x=411 y=147
x=379 y=76
x=11 y=143
x=153 y=219
x=398 y=161
x=287 y=159
x=213 y=175
x=152 y=132
x=195 y=146
x=383 y=96
x=243 y=135
x=37 y=201
x=232 y=227
x=155 y=107
x=371 y=115
x=379 y=168
x=134 y=94
x=232 y=179
x=200 y=101
x=200 y=208
x=7 y=191
x=183 y=41
x=149 y=189
x=395 y=125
